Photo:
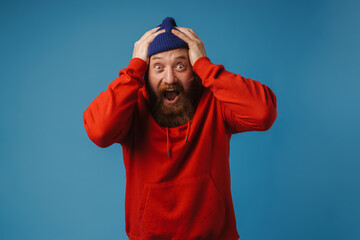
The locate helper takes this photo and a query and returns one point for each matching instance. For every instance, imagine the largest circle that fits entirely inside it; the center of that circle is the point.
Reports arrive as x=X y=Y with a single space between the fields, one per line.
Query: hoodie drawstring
x=168 y=137
x=167 y=141
x=187 y=132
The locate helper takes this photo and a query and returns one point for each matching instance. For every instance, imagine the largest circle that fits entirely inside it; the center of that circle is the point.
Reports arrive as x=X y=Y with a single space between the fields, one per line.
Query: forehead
x=179 y=53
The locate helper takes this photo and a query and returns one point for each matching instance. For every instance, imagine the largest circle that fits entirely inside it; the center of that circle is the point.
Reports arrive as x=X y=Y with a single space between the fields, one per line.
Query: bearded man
x=174 y=111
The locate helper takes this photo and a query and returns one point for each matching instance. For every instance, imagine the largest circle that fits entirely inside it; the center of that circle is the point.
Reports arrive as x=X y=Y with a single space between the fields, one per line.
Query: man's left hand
x=196 y=46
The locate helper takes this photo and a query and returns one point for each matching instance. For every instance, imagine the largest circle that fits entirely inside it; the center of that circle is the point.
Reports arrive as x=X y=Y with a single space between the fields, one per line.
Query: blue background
x=299 y=180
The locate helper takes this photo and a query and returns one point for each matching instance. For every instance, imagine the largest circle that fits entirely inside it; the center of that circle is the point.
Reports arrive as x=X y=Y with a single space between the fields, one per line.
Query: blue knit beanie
x=166 y=41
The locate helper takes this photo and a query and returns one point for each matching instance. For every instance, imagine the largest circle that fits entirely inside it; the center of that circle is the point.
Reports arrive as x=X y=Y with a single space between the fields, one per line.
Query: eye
x=157 y=67
x=180 y=66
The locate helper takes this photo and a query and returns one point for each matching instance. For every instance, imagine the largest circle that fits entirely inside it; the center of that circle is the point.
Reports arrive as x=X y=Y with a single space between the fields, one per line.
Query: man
x=173 y=111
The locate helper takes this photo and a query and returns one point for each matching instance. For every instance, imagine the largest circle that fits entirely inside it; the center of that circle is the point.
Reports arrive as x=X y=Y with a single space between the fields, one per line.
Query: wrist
x=144 y=58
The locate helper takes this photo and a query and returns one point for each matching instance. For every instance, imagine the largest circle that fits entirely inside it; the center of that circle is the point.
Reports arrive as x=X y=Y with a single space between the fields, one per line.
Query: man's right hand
x=142 y=45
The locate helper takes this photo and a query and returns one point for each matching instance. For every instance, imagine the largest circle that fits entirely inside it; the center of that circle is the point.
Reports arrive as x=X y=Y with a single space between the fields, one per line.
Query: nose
x=169 y=76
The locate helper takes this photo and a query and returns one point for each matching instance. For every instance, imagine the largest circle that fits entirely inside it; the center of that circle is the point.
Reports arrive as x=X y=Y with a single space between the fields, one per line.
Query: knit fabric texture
x=166 y=41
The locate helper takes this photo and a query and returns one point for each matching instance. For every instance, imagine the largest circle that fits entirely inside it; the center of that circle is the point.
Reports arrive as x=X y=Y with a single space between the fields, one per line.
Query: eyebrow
x=181 y=57
x=178 y=57
x=154 y=58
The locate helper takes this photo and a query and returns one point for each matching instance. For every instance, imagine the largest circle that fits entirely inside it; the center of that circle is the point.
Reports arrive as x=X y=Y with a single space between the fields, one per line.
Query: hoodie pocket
x=189 y=209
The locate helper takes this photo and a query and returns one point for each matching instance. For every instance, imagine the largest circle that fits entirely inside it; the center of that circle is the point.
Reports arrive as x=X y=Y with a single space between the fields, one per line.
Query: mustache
x=174 y=86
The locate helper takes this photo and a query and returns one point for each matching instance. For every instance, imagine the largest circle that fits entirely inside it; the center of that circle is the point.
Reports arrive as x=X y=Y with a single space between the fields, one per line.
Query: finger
x=150 y=32
x=182 y=35
x=187 y=31
x=151 y=37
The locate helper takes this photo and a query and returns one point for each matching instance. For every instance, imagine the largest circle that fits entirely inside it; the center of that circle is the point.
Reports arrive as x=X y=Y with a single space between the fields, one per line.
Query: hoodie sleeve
x=247 y=105
x=108 y=118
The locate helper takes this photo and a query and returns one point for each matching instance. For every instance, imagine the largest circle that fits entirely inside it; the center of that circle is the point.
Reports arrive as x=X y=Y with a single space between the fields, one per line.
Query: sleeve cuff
x=138 y=65
x=202 y=66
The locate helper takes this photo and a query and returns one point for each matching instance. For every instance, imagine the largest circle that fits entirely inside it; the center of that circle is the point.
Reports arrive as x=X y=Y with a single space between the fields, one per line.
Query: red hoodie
x=178 y=179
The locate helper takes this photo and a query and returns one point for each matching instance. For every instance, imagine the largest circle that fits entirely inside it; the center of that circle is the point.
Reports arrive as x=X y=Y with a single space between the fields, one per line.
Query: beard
x=179 y=113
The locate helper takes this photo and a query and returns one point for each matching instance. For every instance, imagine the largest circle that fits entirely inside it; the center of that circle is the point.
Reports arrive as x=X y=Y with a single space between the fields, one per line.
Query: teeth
x=170 y=90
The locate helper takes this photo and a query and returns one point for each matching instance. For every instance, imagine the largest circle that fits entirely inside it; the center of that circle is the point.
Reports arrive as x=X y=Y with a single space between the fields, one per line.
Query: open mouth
x=171 y=96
